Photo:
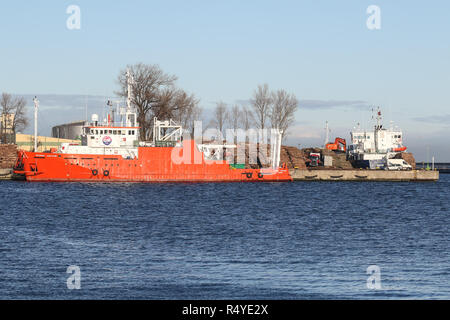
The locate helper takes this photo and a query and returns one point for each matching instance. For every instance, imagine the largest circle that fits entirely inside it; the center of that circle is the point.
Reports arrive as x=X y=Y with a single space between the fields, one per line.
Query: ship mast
x=36 y=106
x=378 y=127
x=129 y=82
x=129 y=114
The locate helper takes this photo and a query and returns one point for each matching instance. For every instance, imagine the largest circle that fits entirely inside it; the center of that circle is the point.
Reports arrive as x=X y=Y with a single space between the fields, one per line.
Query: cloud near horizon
x=315 y=104
x=329 y=104
x=65 y=101
x=441 y=119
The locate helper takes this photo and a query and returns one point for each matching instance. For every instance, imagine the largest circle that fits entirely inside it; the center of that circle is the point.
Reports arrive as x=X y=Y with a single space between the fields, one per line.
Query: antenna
x=110 y=115
x=36 y=107
x=379 y=118
x=86 y=107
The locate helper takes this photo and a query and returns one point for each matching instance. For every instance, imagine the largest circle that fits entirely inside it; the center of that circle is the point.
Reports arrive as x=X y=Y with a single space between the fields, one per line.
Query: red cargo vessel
x=149 y=164
x=112 y=152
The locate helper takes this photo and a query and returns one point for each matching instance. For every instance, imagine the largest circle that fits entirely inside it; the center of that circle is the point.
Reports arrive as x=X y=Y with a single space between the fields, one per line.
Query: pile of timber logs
x=8 y=155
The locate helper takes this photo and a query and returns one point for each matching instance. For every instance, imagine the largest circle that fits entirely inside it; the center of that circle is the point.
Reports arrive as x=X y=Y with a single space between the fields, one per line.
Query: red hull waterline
x=154 y=164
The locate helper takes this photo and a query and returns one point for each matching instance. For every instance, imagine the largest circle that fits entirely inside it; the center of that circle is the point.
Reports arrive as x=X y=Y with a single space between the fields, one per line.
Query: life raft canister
x=401 y=149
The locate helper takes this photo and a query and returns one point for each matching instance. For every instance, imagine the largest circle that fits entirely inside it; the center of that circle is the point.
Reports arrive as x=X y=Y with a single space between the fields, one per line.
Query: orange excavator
x=338 y=145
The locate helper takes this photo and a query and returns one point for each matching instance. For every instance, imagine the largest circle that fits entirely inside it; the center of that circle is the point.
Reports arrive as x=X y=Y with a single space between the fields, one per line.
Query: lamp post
x=36 y=106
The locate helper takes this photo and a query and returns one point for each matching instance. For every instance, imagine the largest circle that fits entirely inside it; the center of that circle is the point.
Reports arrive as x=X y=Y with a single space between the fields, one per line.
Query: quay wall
x=363 y=175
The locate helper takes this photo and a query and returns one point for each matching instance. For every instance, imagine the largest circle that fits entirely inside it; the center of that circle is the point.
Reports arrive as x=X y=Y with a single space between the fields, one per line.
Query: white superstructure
x=112 y=136
x=379 y=144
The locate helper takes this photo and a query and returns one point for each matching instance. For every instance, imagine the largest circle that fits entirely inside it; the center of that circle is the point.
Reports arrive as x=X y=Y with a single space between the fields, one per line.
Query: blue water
x=225 y=241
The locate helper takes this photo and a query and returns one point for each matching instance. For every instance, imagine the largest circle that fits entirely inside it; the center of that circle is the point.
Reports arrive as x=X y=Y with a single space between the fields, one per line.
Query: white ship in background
x=373 y=149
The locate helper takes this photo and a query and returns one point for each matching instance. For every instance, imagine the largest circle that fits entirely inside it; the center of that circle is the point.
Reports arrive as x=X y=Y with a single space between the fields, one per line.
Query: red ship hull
x=154 y=164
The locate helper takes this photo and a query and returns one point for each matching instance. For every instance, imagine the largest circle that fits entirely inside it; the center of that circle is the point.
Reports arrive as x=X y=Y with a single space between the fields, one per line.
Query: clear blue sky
x=320 y=50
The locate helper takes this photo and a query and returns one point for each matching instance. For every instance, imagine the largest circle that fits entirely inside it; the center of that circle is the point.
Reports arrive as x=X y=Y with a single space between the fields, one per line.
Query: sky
x=322 y=51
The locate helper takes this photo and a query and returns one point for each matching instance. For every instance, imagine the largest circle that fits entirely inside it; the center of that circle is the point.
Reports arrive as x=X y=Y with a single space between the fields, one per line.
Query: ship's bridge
x=110 y=137
x=107 y=138
x=380 y=140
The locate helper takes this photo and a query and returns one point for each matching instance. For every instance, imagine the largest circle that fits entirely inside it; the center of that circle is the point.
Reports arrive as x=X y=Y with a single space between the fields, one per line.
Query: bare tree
x=283 y=110
x=175 y=104
x=261 y=104
x=234 y=119
x=13 y=115
x=246 y=118
x=196 y=114
x=186 y=111
x=151 y=89
x=221 y=116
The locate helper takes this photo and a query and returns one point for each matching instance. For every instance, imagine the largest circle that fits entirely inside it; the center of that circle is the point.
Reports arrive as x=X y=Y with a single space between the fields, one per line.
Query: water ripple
x=225 y=241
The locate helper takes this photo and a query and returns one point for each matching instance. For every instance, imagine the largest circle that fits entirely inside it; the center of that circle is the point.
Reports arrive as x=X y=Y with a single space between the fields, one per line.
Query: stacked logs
x=8 y=156
x=291 y=156
x=408 y=157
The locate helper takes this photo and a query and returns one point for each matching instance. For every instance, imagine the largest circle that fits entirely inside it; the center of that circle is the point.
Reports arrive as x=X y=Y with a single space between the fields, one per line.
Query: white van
x=398 y=164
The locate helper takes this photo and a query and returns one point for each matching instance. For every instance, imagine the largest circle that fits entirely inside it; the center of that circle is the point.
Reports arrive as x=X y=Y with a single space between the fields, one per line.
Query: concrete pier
x=363 y=175
x=6 y=174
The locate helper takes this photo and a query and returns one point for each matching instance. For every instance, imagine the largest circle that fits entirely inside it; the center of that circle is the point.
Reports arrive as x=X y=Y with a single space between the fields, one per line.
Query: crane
x=339 y=145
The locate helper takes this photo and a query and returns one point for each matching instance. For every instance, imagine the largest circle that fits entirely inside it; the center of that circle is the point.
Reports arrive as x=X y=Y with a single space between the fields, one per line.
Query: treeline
x=155 y=94
x=266 y=109
x=13 y=117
